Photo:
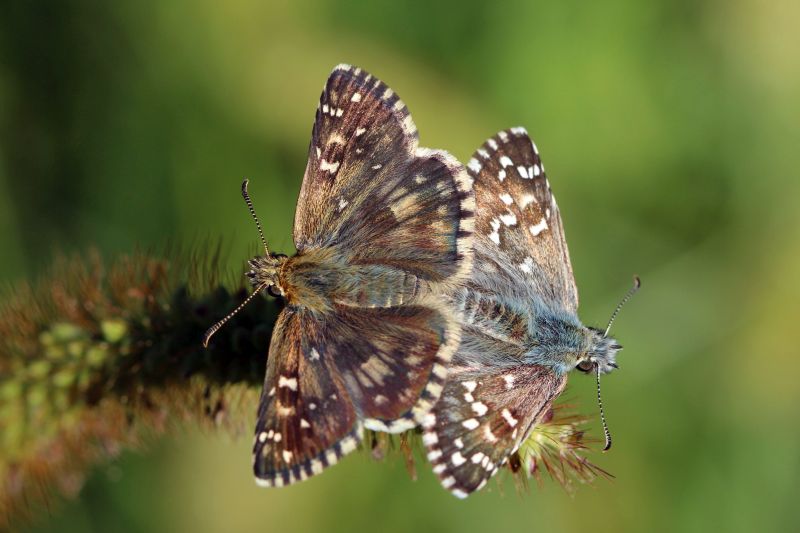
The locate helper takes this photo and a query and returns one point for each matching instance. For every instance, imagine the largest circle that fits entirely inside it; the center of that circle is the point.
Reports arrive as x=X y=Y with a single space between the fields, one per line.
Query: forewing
x=306 y=419
x=483 y=416
x=520 y=247
x=392 y=360
x=370 y=191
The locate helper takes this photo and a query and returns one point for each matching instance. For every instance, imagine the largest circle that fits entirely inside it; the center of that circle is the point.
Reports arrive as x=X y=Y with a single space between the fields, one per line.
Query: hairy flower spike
x=94 y=360
x=556 y=446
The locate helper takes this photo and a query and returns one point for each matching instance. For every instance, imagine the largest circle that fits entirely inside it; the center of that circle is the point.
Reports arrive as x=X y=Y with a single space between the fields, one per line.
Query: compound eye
x=274 y=291
x=585 y=366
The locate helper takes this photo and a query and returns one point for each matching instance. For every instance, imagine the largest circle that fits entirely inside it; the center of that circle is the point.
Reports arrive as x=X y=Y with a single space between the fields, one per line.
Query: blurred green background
x=670 y=134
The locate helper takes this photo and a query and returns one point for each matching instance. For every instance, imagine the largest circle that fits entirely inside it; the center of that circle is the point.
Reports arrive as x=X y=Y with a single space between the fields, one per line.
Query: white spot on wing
x=457 y=459
x=506 y=198
x=479 y=408
x=526 y=200
x=360 y=131
x=509 y=378
x=348 y=445
x=509 y=418
x=505 y=161
x=470 y=424
x=501 y=175
x=527 y=267
x=495 y=235
x=474 y=165
x=356 y=97
x=509 y=219
x=429 y=439
x=287 y=455
x=287 y=382
x=330 y=167
x=538 y=228
x=470 y=385
x=523 y=172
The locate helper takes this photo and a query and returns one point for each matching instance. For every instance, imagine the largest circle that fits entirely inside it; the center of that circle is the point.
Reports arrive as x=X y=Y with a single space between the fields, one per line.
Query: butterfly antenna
x=602 y=413
x=216 y=327
x=636 y=284
x=249 y=202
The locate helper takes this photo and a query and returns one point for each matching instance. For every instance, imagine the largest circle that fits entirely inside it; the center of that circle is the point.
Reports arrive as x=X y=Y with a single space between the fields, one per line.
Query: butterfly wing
x=306 y=419
x=485 y=412
x=382 y=368
x=370 y=191
x=520 y=247
x=393 y=360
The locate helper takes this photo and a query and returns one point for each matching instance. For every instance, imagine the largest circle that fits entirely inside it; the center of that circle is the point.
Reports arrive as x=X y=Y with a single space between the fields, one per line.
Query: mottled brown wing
x=329 y=375
x=306 y=418
x=485 y=412
x=392 y=360
x=520 y=247
x=372 y=193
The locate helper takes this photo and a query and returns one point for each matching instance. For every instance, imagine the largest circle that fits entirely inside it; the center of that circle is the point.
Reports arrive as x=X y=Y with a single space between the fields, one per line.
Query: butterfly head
x=601 y=353
x=264 y=271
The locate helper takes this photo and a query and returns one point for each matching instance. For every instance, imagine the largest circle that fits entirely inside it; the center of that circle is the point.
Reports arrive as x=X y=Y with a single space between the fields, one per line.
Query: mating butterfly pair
x=415 y=298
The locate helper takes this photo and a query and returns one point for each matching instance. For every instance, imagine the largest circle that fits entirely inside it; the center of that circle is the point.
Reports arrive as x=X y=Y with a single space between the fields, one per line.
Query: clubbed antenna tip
x=637 y=283
x=252 y=210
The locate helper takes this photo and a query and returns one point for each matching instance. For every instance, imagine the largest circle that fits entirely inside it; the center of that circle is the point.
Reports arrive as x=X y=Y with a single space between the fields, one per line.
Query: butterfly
x=382 y=228
x=521 y=334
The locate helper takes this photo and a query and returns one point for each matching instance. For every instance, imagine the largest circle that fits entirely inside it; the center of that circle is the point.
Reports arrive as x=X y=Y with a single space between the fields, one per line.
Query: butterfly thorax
x=560 y=341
